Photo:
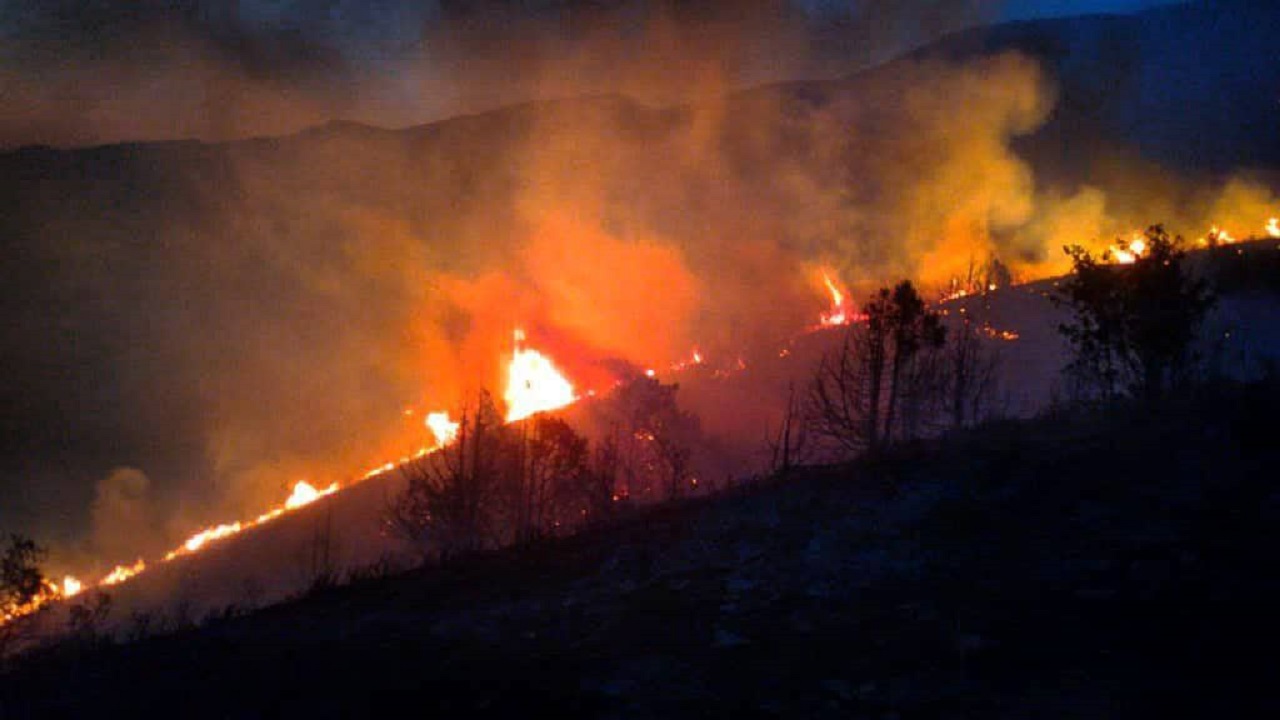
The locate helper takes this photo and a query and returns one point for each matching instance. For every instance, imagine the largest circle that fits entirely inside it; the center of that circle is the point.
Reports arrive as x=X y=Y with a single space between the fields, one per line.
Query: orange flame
x=305 y=494
x=839 y=314
x=1130 y=253
x=1273 y=227
x=123 y=572
x=534 y=384
x=442 y=427
x=71 y=586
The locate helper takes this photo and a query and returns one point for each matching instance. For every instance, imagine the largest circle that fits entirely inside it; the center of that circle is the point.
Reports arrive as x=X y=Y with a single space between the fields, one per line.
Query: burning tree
x=860 y=391
x=1132 y=325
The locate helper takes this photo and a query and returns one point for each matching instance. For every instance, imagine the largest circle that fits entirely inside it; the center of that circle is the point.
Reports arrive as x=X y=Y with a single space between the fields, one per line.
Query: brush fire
x=534 y=383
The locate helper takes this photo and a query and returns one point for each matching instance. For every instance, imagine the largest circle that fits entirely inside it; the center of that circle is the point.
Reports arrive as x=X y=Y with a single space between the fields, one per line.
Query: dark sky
x=81 y=72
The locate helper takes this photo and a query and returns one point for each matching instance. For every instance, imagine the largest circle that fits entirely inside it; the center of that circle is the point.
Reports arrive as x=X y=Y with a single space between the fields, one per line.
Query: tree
x=970 y=373
x=451 y=499
x=653 y=435
x=1133 y=326
x=555 y=459
x=21 y=579
x=859 y=389
x=914 y=329
x=22 y=584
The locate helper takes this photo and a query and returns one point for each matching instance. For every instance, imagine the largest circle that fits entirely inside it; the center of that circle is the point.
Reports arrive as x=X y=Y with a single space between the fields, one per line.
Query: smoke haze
x=196 y=327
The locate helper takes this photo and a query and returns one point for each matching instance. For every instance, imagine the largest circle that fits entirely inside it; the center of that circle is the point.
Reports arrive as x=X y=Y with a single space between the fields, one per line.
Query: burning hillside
x=281 y=318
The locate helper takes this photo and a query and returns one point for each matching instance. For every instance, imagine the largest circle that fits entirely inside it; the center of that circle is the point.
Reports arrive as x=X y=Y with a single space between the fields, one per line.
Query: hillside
x=1083 y=565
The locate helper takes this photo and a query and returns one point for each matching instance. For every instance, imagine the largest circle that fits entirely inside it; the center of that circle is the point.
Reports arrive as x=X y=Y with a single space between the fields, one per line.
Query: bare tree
x=971 y=373
x=450 y=502
x=788 y=445
x=841 y=408
x=555 y=458
x=889 y=361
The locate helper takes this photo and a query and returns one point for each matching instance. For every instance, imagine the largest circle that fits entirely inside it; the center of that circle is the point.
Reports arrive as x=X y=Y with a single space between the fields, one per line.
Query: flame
x=123 y=572
x=305 y=494
x=534 y=384
x=839 y=314
x=444 y=429
x=1218 y=236
x=71 y=586
x=1273 y=227
x=1130 y=253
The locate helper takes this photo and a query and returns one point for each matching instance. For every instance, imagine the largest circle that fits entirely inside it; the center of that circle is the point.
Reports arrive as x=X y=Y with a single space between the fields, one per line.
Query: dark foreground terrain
x=1112 y=564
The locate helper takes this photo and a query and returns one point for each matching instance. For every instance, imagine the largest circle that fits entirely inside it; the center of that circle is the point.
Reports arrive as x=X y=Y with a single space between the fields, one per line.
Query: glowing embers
x=534 y=384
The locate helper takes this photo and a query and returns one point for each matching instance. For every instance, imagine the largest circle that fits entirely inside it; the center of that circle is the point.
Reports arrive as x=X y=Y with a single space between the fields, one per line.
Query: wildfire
x=1273 y=227
x=123 y=572
x=442 y=427
x=71 y=586
x=534 y=384
x=1130 y=253
x=304 y=494
x=839 y=314
x=1218 y=236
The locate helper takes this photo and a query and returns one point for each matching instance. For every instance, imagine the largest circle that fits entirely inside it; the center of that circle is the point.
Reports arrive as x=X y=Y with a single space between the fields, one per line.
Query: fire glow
x=534 y=384
x=839 y=314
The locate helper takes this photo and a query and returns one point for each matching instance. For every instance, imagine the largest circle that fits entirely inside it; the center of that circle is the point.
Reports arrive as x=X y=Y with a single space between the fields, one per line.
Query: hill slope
x=1077 y=566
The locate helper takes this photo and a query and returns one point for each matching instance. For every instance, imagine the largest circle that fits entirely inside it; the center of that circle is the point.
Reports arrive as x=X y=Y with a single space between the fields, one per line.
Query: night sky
x=76 y=72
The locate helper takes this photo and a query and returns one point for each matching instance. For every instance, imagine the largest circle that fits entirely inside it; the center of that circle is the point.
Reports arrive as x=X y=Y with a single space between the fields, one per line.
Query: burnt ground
x=1117 y=563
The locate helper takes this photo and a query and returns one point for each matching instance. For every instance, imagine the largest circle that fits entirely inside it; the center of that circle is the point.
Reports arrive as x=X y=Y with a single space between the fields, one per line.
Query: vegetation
x=21 y=578
x=1133 y=326
x=499 y=484
x=873 y=390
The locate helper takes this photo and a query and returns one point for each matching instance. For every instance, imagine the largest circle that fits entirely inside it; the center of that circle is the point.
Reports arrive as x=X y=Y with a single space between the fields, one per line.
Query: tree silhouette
x=20 y=576
x=859 y=389
x=1133 y=326
x=451 y=499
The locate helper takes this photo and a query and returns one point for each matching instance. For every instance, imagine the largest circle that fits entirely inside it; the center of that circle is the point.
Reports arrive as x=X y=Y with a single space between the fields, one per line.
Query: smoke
x=123 y=518
x=289 y=309
x=76 y=72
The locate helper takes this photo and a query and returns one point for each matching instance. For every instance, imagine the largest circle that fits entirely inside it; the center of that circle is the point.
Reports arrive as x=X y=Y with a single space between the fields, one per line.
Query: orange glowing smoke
x=534 y=384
